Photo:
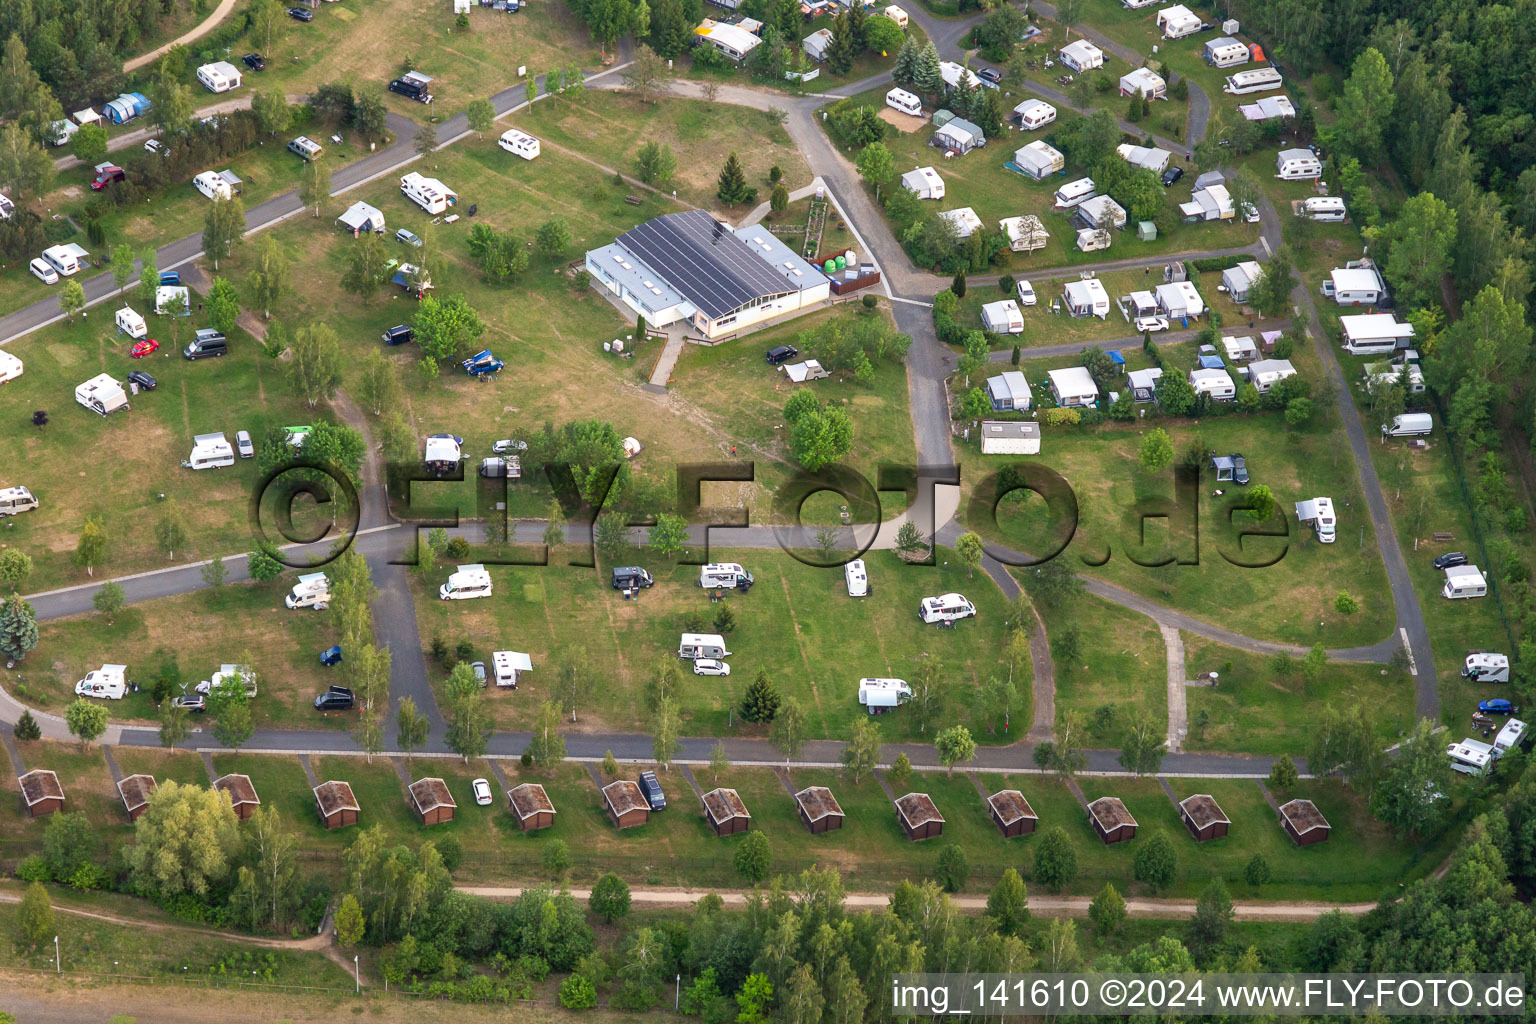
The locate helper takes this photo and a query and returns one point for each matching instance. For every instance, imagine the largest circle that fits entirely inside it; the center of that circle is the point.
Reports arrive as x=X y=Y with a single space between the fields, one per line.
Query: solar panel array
x=704 y=260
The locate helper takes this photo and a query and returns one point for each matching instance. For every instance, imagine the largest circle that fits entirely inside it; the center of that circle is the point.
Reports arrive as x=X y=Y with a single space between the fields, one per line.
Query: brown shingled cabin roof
x=624 y=796
x=1110 y=813
x=530 y=799
x=1203 y=810
x=918 y=809
x=239 y=788
x=431 y=794
x=1011 y=806
x=335 y=796
x=1303 y=816
x=40 y=784
x=723 y=805
x=818 y=802
x=135 y=790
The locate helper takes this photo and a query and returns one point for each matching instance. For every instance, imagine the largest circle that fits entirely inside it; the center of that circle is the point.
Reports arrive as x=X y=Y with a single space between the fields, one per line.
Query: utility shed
x=42 y=793
x=819 y=810
x=1011 y=813
x=1304 y=823
x=1111 y=820
x=135 y=791
x=1204 y=817
x=336 y=804
x=434 y=804
x=918 y=817
x=626 y=804
x=532 y=806
x=725 y=812
x=1009 y=437
x=241 y=793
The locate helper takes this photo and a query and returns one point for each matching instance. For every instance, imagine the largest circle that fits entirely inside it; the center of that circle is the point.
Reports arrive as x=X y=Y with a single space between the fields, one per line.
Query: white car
x=43 y=271
x=156 y=146
x=1152 y=324
x=482 y=790
x=1250 y=213
x=710 y=667
x=1026 y=293
x=505 y=445
x=243 y=443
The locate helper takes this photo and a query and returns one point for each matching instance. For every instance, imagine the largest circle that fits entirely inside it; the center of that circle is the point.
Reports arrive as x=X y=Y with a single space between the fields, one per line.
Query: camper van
x=43 y=271
x=631 y=577
x=1328 y=209
x=210 y=451
x=881 y=694
x=1409 y=424
x=857 y=578
x=102 y=395
x=428 y=193
x=1470 y=757
x=702 y=645
x=469 y=581
x=1484 y=667
x=313 y=590
x=107 y=682
x=1318 y=512
x=131 y=323
x=725 y=574
x=900 y=99
x=1258 y=80
x=1464 y=581
x=1075 y=193
x=946 y=608
x=519 y=143
x=16 y=500
x=415 y=85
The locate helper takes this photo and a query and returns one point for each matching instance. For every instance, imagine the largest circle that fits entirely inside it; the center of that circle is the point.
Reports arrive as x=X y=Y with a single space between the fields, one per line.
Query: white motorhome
x=507 y=666
x=108 y=682
x=16 y=500
x=880 y=694
x=469 y=581
x=102 y=395
x=131 y=323
x=857 y=578
x=725 y=574
x=702 y=645
x=65 y=258
x=1509 y=738
x=1409 y=424
x=1486 y=667
x=10 y=366
x=1075 y=193
x=1257 y=80
x=210 y=451
x=1470 y=757
x=216 y=184
x=1318 y=513
x=1297 y=165
x=946 y=608
x=1463 y=582
x=313 y=590
x=428 y=193
x=906 y=102
x=519 y=143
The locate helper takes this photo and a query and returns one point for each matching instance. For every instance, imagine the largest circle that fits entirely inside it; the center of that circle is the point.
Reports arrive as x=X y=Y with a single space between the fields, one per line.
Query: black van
x=413 y=84
x=631 y=577
x=400 y=334
x=204 y=344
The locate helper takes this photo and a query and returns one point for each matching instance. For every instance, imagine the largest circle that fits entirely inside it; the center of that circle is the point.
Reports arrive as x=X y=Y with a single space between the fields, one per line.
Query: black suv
x=400 y=334
x=254 y=61
x=652 y=790
x=1451 y=560
x=337 y=698
x=1172 y=175
x=631 y=577
x=781 y=354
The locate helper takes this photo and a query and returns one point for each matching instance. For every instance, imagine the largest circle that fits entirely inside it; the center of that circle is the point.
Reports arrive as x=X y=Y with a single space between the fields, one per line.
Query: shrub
x=1344 y=604
x=533 y=966
x=33 y=869
x=456 y=548
x=527 y=759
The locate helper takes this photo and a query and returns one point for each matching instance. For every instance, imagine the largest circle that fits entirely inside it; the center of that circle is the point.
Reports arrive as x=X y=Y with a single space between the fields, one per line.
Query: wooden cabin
x=135 y=791
x=336 y=804
x=532 y=806
x=725 y=812
x=1304 y=822
x=918 y=817
x=1111 y=820
x=1204 y=817
x=627 y=807
x=241 y=793
x=434 y=804
x=1012 y=814
x=41 y=790
x=819 y=810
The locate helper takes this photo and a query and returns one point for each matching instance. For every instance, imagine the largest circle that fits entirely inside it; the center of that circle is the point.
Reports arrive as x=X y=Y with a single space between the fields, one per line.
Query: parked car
x=1152 y=324
x=400 y=334
x=989 y=75
x=651 y=787
x=505 y=445
x=300 y=14
x=43 y=270
x=1496 y=706
x=331 y=655
x=1172 y=175
x=156 y=146
x=170 y=278
x=143 y=380
x=408 y=237
x=1239 y=469
x=710 y=667
x=781 y=354
x=482 y=790
x=193 y=702
x=1450 y=560
x=254 y=61
x=144 y=347
x=337 y=698
x=1026 y=294
x=478 y=668
x=1250 y=212
x=107 y=176
x=243 y=444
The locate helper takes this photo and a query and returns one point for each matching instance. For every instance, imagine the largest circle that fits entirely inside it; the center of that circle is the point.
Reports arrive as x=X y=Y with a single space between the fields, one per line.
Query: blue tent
x=1212 y=363
x=1116 y=358
x=482 y=364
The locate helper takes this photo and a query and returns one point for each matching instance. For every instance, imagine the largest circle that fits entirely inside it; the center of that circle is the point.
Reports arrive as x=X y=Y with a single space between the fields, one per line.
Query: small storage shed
x=532 y=806
x=42 y=793
x=725 y=812
x=1204 y=817
x=626 y=804
x=241 y=793
x=819 y=810
x=135 y=791
x=434 y=804
x=1304 y=823
x=1012 y=814
x=918 y=817
x=1009 y=437
x=336 y=804
x=1111 y=820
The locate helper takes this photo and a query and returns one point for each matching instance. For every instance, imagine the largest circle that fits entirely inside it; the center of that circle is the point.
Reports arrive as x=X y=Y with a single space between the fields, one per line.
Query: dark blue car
x=331 y=655
x=1496 y=706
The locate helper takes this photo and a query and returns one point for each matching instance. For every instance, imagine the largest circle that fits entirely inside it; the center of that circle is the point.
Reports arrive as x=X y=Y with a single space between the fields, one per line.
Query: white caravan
x=102 y=395
x=857 y=578
x=947 y=608
x=1485 y=667
x=1318 y=513
x=313 y=590
x=1258 y=80
x=428 y=193
x=108 y=682
x=214 y=185
x=65 y=258
x=227 y=673
x=210 y=451
x=1509 y=738
x=880 y=694
x=469 y=581
x=1033 y=114
x=10 y=366
x=1075 y=193
x=16 y=500
x=1463 y=582
x=725 y=574
x=1327 y=209
x=1297 y=165
x=906 y=102
x=131 y=323
x=702 y=645
x=509 y=665
x=1470 y=757
x=519 y=143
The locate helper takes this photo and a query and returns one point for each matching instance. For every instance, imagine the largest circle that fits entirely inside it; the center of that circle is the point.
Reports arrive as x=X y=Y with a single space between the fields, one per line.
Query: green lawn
x=1121 y=667
x=279 y=782
x=180 y=766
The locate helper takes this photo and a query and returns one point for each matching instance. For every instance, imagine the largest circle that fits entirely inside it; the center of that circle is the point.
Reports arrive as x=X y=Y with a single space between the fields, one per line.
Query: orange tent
x=1256 y=51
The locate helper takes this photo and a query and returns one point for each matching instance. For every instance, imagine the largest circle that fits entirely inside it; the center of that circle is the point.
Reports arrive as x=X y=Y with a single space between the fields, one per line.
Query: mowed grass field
x=797 y=623
x=1121 y=666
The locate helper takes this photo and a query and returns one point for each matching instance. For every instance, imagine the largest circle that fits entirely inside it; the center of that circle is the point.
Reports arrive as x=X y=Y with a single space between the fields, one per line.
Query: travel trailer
x=906 y=102
x=1033 y=114
x=16 y=500
x=131 y=323
x=519 y=143
x=1464 y=581
x=1318 y=513
x=1409 y=424
x=469 y=581
x=946 y=608
x=1226 y=52
x=216 y=184
x=220 y=76
x=102 y=395
x=857 y=578
x=1509 y=738
x=228 y=673
x=313 y=590
x=1470 y=757
x=725 y=574
x=1258 y=80
x=923 y=182
x=1297 y=165
x=65 y=258
x=1328 y=209
x=702 y=645
x=880 y=695
x=107 y=682
x=428 y=193
x=210 y=451
x=1075 y=193
x=1486 y=667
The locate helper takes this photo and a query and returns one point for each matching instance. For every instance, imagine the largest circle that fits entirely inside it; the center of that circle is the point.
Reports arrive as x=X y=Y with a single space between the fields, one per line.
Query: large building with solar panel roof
x=720 y=280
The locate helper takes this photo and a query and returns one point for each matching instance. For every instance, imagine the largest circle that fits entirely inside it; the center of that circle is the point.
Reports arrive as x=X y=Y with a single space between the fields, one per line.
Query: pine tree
x=904 y=70
x=761 y=703
x=18 y=628
x=26 y=727
x=733 y=190
x=927 y=78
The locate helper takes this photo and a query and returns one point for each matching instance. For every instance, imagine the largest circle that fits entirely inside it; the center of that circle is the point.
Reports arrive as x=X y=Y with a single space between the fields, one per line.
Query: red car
x=107 y=176
x=143 y=348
